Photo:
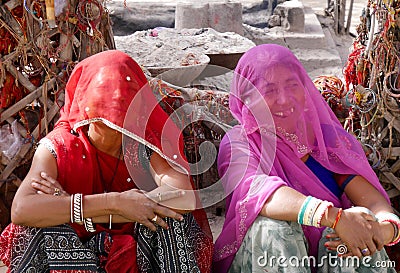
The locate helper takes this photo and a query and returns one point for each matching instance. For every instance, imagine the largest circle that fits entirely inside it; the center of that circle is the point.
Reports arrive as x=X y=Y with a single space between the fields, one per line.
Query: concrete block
x=292 y=15
x=312 y=38
x=191 y=16
x=223 y=17
x=226 y=17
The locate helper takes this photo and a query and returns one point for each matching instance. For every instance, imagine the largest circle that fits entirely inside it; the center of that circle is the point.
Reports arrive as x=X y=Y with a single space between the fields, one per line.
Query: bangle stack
x=312 y=211
x=395 y=221
x=77 y=213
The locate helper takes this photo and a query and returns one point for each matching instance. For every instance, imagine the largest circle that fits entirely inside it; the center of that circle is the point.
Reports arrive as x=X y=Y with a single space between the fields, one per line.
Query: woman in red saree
x=123 y=199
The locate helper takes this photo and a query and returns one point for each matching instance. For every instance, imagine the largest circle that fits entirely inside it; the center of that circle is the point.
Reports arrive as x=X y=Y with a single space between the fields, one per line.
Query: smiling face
x=284 y=94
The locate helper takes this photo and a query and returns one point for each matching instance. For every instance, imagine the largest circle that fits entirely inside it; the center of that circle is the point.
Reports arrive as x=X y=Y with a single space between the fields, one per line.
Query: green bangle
x=300 y=216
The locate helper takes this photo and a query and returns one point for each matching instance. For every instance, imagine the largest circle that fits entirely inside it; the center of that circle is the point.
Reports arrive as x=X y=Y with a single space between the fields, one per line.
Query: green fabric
x=278 y=246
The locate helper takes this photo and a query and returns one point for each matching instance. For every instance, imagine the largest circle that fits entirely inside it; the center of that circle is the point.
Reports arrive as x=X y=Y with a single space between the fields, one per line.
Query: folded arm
x=169 y=179
x=41 y=210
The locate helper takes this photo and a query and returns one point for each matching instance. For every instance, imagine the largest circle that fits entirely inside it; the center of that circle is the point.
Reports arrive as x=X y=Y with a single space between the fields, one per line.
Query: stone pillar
x=223 y=17
x=292 y=15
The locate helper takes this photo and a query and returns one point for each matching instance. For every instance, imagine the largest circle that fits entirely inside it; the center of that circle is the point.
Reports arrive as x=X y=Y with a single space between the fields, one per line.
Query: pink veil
x=255 y=158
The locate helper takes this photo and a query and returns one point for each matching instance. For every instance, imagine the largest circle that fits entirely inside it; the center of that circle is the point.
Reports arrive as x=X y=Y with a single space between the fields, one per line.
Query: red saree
x=101 y=89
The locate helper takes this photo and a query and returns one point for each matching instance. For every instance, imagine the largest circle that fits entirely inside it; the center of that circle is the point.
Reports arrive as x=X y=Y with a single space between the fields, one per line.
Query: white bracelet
x=395 y=221
x=87 y=222
x=78 y=208
x=72 y=208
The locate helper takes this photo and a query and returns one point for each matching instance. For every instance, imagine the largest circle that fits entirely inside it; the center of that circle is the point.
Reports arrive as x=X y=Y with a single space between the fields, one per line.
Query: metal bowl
x=180 y=75
x=228 y=60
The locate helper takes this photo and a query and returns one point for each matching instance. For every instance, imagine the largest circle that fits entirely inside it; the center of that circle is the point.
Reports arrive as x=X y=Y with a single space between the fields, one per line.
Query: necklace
x=103 y=183
x=301 y=148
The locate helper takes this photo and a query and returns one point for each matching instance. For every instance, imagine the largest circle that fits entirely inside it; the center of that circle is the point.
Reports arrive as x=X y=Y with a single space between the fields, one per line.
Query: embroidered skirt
x=182 y=248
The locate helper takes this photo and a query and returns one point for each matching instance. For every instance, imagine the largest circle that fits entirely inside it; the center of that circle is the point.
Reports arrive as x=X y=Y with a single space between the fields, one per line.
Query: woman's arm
x=41 y=210
x=284 y=204
x=354 y=228
x=240 y=166
x=362 y=193
x=169 y=179
x=31 y=209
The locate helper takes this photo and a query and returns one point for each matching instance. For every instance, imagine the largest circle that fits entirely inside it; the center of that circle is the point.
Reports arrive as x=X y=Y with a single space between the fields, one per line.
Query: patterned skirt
x=182 y=248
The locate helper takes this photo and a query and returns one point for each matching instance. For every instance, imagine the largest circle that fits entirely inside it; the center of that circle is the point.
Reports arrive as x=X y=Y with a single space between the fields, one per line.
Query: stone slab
x=314 y=59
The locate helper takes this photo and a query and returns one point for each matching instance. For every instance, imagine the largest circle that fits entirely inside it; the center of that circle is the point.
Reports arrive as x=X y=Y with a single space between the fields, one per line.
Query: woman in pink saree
x=292 y=174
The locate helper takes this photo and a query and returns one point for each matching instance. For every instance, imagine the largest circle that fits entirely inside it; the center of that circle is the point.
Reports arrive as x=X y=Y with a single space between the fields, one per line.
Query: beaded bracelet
x=395 y=221
x=339 y=214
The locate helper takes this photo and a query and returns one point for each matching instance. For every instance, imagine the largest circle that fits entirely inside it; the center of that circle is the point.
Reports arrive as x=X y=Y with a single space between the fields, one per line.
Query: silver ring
x=364 y=250
x=154 y=219
x=159 y=196
x=57 y=192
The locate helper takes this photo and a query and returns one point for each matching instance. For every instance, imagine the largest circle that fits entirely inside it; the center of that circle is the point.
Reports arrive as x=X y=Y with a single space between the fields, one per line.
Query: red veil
x=110 y=87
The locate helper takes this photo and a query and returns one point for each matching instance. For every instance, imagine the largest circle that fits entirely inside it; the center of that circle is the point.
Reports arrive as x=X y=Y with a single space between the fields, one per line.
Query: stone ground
x=151 y=15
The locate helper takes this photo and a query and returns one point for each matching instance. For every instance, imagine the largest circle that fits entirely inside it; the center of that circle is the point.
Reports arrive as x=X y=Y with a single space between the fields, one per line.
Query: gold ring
x=154 y=219
x=57 y=192
x=159 y=196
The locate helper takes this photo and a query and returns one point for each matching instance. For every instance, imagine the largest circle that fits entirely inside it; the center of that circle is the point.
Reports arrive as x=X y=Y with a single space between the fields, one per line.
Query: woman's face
x=110 y=91
x=284 y=94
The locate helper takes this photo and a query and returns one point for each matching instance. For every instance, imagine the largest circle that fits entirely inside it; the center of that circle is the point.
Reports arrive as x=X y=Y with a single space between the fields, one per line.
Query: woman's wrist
x=329 y=217
x=111 y=201
x=312 y=211
x=388 y=231
x=394 y=220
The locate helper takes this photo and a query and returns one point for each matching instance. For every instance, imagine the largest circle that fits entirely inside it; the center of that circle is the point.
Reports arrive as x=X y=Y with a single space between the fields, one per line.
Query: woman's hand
x=334 y=243
x=137 y=207
x=382 y=235
x=48 y=185
x=358 y=230
x=161 y=194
